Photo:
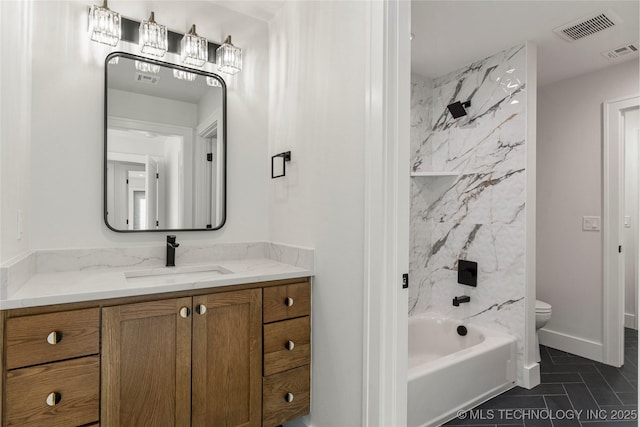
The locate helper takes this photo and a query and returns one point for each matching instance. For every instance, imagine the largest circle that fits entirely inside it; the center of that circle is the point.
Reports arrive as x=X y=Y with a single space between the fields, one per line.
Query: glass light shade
x=229 y=57
x=184 y=75
x=213 y=82
x=104 y=25
x=153 y=38
x=145 y=67
x=194 y=49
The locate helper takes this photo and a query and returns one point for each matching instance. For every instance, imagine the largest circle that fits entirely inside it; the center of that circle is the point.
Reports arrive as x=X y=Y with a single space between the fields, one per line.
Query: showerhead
x=457 y=109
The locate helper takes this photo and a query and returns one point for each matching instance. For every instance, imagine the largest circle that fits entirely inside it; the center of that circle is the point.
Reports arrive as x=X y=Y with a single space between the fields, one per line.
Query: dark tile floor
x=574 y=392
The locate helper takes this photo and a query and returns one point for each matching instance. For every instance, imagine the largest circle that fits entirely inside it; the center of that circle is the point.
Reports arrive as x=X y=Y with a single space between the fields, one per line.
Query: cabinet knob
x=54 y=398
x=288 y=302
x=288 y=397
x=201 y=309
x=184 y=312
x=290 y=345
x=54 y=337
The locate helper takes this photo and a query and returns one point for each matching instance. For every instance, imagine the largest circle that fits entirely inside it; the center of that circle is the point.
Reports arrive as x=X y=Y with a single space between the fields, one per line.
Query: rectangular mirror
x=165 y=146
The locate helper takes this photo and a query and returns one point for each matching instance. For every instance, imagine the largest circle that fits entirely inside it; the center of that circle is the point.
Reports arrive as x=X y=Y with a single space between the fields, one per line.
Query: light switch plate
x=591 y=223
x=627 y=222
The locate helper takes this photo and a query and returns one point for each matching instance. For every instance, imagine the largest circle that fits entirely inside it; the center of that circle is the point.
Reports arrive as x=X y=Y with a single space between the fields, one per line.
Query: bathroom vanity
x=216 y=351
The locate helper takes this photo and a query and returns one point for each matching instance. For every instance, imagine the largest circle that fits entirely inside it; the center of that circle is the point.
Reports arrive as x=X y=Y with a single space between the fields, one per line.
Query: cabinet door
x=227 y=359
x=146 y=364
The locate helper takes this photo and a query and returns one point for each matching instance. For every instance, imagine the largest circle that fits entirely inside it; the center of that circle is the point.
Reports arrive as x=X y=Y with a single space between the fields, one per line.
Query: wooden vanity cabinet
x=286 y=393
x=51 y=369
x=177 y=359
x=146 y=364
x=227 y=359
x=185 y=361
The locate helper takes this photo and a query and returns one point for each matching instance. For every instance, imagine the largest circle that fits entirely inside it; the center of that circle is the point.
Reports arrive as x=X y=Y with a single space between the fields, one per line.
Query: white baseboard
x=571 y=344
x=630 y=321
x=530 y=376
x=299 y=422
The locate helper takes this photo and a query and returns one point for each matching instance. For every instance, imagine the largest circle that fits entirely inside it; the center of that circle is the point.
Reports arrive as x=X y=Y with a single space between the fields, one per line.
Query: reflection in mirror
x=165 y=146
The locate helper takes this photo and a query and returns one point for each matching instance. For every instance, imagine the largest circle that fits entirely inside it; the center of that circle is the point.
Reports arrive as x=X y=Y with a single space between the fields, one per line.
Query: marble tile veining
x=480 y=214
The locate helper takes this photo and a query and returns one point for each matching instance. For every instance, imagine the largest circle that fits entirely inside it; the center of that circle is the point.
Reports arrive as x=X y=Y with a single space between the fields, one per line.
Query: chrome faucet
x=171 y=250
x=460 y=300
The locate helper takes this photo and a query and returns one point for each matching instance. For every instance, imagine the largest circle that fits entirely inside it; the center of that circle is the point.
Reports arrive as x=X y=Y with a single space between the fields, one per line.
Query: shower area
x=471 y=201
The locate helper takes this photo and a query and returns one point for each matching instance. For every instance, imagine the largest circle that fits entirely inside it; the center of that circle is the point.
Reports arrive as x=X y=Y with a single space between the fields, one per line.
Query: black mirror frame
x=224 y=136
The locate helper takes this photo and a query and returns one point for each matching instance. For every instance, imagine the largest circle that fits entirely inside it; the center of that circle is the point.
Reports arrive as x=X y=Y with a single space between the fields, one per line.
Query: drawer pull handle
x=288 y=397
x=184 y=312
x=54 y=398
x=201 y=309
x=288 y=302
x=290 y=345
x=54 y=337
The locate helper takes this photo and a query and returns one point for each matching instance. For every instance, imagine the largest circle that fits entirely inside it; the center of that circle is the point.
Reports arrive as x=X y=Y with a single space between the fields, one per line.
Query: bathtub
x=450 y=373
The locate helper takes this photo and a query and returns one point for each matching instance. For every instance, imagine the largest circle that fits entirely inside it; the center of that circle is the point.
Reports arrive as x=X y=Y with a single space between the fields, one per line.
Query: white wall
x=631 y=192
x=136 y=106
x=208 y=104
x=569 y=186
x=15 y=109
x=317 y=110
x=67 y=123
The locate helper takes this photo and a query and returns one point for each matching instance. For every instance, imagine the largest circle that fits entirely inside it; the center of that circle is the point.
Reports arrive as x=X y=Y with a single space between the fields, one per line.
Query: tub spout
x=460 y=300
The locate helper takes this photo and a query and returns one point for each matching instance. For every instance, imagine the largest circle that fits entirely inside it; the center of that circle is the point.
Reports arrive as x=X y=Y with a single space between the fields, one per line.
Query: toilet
x=543 y=314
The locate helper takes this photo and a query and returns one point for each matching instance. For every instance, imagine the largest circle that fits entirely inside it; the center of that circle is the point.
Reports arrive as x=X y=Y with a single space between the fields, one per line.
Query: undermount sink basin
x=183 y=272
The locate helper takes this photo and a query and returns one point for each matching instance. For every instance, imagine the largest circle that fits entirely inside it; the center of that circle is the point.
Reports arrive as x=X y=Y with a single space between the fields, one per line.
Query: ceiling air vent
x=147 y=78
x=588 y=25
x=621 y=51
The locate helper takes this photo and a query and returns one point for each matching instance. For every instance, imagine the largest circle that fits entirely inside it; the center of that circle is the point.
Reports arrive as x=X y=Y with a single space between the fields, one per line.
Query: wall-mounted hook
x=286 y=157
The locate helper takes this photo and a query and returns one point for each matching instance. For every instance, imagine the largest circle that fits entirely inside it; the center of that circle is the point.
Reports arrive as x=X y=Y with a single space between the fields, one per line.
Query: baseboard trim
x=572 y=344
x=530 y=376
x=299 y=422
x=630 y=321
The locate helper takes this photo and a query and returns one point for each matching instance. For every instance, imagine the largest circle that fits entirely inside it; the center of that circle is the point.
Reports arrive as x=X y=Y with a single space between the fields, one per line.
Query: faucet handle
x=171 y=241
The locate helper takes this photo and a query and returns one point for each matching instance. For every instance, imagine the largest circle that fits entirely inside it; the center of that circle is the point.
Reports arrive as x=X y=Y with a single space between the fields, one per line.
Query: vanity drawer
x=286 y=345
x=44 y=338
x=278 y=389
x=286 y=302
x=55 y=394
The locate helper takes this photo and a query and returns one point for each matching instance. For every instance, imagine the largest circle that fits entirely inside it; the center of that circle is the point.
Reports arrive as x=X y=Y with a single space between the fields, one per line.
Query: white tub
x=449 y=372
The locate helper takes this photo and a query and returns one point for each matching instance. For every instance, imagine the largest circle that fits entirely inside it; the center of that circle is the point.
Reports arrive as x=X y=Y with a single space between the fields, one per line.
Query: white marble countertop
x=74 y=286
x=87 y=284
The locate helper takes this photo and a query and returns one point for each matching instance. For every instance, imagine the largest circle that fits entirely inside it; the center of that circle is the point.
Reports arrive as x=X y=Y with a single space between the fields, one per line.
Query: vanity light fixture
x=153 y=37
x=145 y=67
x=184 y=75
x=194 y=49
x=104 y=25
x=229 y=57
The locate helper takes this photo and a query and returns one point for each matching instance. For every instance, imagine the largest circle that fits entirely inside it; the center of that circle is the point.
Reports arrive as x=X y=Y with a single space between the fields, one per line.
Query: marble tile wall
x=478 y=215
